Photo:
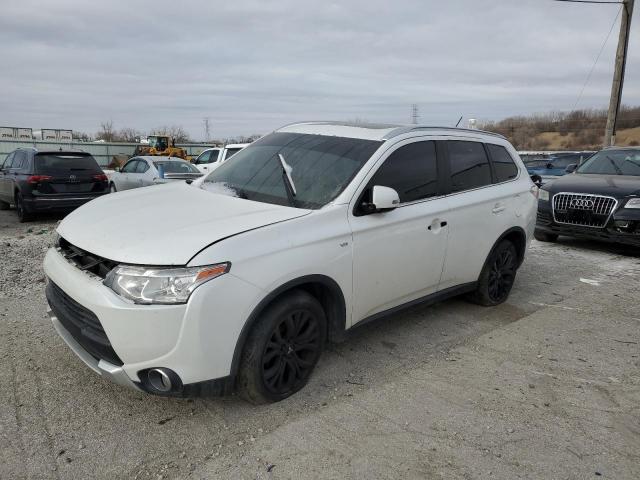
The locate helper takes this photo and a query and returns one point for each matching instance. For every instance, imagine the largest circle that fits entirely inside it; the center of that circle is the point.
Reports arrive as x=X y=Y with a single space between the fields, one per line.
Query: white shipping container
x=48 y=134
x=65 y=135
x=7 y=133
x=24 y=134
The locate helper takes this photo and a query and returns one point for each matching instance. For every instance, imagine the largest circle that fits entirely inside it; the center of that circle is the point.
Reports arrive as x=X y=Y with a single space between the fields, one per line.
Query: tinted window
x=19 y=160
x=411 y=171
x=142 y=167
x=469 y=165
x=63 y=163
x=8 y=161
x=321 y=167
x=130 y=167
x=503 y=165
x=231 y=152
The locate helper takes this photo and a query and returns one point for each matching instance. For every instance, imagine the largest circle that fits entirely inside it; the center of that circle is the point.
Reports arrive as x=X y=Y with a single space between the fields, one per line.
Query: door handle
x=498 y=208
x=442 y=224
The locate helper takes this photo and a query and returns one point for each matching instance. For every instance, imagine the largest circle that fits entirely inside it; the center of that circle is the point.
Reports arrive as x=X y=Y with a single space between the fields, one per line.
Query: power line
x=588 y=1
x=598 y=57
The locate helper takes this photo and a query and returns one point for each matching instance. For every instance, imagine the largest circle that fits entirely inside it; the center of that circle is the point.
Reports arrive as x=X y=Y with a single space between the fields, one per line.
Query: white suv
x=238 y=280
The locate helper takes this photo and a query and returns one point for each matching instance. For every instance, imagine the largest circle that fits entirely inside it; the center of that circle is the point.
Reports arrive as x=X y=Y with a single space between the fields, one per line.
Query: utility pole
x=414 y=114
x=618 y=75
x=207 y=131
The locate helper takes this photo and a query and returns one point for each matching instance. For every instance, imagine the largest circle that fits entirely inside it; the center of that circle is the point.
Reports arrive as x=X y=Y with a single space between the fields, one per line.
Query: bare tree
x=130 y=135
x=175 y=131
x=106 y=133
x=81 y=136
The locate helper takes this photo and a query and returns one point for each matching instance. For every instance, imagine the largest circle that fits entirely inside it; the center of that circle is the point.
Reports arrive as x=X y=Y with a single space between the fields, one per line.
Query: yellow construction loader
x=161 y=145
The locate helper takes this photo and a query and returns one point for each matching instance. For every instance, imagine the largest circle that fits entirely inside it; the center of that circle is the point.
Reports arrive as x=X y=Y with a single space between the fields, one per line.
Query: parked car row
x=557 y=165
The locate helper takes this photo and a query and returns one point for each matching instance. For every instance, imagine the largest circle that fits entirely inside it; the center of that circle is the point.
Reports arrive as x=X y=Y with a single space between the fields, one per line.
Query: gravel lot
x=544 y=386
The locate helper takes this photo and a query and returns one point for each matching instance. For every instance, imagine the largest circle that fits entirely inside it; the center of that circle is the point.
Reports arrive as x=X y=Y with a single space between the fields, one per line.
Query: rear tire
x=4 y=205
x=544 y=236
x=497 y=276
x=282 y=348
x=24 y=215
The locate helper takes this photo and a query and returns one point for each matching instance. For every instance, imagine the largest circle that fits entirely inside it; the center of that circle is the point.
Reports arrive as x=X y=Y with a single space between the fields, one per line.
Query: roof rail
x=412 y=128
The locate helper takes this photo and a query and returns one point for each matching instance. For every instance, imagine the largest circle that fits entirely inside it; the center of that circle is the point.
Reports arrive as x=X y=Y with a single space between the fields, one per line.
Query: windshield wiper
x=614 y=165
x=289 y=186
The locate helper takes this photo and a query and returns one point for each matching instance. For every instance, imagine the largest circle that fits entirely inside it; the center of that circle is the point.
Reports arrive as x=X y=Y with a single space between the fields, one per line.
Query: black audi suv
x=36 y=181
x=599 y=201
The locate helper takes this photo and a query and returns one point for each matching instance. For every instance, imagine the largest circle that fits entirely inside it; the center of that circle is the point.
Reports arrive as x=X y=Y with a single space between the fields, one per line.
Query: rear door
x=483 y=201
x=67 y=174
x=143 y=174
x=123 y=179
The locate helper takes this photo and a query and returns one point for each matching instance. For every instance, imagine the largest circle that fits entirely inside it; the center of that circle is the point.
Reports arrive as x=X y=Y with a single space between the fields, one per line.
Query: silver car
x=145 y=171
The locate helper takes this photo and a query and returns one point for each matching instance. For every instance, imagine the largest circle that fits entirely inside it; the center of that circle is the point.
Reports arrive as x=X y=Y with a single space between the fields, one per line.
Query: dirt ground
x=546 y=385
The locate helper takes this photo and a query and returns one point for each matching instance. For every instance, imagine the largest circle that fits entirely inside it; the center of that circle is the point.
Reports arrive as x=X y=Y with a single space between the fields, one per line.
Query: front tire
x=24 y=215
x=282 y=349
x=497 y=276
x=544 y=236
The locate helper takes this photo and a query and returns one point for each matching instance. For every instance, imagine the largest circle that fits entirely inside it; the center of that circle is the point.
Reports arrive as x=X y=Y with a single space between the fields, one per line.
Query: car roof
x=155 y=158
x=372 y=131
x=616 y=147
x=237 y=145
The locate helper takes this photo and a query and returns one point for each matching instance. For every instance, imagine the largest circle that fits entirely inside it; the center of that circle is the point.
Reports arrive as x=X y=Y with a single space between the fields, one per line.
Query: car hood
x=165 y=224
x=613 y=185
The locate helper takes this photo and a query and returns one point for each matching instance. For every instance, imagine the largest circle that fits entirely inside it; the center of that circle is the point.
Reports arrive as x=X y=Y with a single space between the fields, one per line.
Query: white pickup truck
x=211 y=158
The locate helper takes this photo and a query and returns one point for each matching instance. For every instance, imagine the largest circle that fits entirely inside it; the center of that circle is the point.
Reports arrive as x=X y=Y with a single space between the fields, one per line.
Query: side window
x=142 y=166
x=411 y=170
x=214 y=156
x=130 y=167
x=8 y=161
x=19 y=159
x=503 y=165
x=204 y=158
x=469 y=165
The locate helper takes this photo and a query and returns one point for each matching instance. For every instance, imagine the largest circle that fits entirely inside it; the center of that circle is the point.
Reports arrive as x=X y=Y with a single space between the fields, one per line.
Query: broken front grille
x=583 y=209
x=84 y=260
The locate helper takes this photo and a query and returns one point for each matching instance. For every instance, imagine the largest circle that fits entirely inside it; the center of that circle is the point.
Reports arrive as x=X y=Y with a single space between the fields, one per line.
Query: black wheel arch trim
x=336 y=320
x=520 y=248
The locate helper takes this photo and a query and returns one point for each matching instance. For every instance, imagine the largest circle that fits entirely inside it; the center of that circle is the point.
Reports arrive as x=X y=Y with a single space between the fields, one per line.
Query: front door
x=398 y=255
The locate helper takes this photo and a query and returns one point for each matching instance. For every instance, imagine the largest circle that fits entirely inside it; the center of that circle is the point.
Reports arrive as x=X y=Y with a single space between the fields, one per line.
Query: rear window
x=177 y=167
x=61 y=163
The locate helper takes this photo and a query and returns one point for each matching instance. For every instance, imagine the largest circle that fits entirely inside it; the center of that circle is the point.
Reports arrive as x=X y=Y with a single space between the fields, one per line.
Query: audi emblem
x=581 y=204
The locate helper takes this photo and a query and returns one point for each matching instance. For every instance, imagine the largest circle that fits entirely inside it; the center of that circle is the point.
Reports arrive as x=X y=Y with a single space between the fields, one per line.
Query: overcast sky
x=252 y=66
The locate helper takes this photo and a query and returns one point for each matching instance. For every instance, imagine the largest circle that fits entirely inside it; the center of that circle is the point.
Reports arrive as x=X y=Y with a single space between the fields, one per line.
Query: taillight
x=35 y=179
x=100 y=178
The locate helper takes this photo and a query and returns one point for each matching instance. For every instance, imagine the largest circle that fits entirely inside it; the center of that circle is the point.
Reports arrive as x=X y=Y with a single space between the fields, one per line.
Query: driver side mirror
x=537 y=179
x=384 y=199
x=571 y=168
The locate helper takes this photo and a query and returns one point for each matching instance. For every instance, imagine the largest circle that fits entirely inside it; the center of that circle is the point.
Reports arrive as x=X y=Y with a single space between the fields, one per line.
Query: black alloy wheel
x=497 y=276
x=291 y=353
x=282 y=348
x=502 y=274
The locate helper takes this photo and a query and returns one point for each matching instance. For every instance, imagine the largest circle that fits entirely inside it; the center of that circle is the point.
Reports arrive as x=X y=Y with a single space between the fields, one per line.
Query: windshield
x=321 y=167
x=613 y=162
x=177 y=167
x=61 y=164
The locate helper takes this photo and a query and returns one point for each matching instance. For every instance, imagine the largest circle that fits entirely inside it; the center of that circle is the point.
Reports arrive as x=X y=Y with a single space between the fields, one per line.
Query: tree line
x=583 y=129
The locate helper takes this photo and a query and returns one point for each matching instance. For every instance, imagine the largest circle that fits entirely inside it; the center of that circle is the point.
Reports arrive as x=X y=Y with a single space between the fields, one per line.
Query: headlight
x=148 y=285
x=543 y=195
x=633 y=203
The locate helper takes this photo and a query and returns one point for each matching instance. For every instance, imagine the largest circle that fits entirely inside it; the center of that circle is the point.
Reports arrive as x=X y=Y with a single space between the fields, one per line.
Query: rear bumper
x=546 y=223
x=59 y=202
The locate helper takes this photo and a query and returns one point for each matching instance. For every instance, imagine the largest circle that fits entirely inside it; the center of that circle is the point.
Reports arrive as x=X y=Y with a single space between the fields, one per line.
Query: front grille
x=84 y=260
x=82 y=324
x=583 y=209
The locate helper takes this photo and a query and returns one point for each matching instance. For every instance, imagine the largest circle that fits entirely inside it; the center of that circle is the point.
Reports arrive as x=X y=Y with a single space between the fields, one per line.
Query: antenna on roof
x=459 y=120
